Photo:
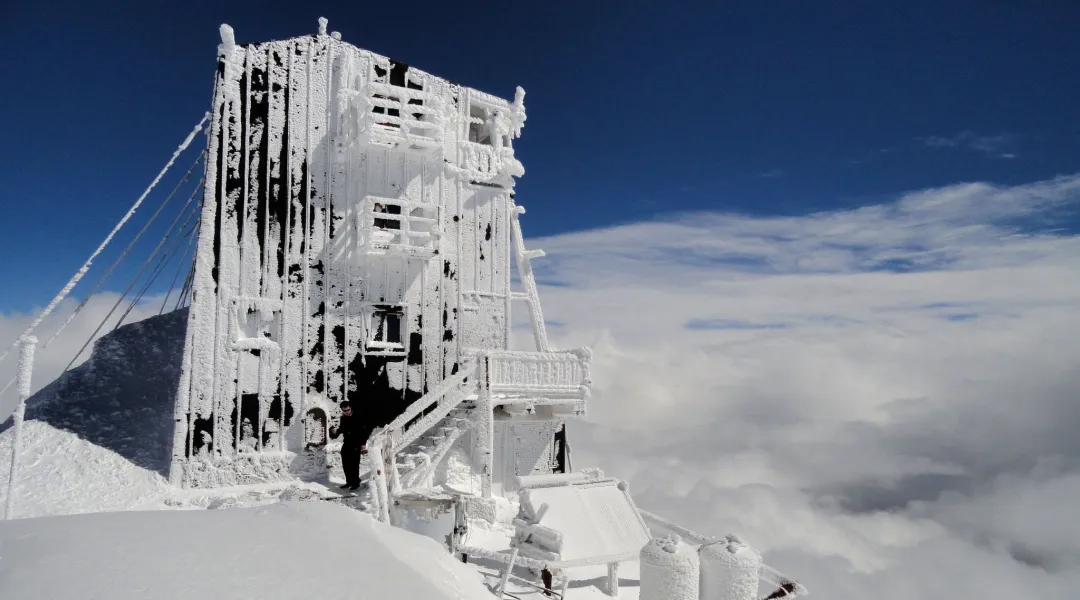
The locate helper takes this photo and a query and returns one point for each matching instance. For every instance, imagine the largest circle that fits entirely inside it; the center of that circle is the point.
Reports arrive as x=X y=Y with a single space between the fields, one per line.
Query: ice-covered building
x=358 y=241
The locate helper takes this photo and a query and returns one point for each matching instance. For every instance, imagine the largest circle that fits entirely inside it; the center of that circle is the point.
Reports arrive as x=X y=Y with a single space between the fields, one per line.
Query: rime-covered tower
x=358 y=240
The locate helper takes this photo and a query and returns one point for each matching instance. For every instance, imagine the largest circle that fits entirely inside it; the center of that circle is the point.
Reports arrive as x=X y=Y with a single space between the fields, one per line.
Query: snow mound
x=285 y=550
x=122 y=397
x=61 y=473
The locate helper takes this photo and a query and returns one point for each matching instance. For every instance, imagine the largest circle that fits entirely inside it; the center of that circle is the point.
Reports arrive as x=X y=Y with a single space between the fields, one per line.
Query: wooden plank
x=318 y=148
x=275 y=220
x=232 y=204
x=294 y=309
x=335 y=249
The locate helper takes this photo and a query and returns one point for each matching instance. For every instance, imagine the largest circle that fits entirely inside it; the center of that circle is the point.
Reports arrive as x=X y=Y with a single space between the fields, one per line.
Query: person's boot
x=344 y=486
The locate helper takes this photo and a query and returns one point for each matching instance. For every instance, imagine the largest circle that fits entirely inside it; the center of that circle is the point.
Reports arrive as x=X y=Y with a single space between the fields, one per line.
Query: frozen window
x=480 y=124
x=389 y=209
x=384 y=333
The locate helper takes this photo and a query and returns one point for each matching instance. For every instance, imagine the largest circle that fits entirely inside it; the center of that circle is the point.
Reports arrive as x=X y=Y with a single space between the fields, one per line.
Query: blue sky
x=635 y=110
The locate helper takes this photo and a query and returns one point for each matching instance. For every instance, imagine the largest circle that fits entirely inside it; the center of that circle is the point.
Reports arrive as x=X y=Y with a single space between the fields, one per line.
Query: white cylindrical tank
x=730 y=570
x=669 y=570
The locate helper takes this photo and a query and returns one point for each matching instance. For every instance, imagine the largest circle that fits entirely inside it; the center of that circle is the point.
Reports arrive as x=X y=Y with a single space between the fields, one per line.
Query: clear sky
x=634 y=110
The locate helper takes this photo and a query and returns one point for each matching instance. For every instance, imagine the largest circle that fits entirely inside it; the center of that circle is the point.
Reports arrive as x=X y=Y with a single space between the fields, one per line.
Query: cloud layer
x=883 y=399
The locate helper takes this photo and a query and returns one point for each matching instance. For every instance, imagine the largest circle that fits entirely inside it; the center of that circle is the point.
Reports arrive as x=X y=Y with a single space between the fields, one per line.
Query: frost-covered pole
x=26 y=368
x=613 y=579
x=506 y=574
x=378 y=478
x=486 y=430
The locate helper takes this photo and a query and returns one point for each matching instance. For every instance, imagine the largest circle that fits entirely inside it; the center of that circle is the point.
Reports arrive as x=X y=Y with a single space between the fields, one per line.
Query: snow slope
x=284 y=550
x=61 y=473
x=121 y=398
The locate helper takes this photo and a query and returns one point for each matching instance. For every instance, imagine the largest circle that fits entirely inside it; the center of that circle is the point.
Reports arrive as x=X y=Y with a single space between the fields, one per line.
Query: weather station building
x=358 y=241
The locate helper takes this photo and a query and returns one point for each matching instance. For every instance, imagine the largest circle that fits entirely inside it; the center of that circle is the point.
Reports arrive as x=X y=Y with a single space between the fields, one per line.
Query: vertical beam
x=486 y=425
x=231 y=202
x=613 y=579
x=318 y=192
x=294 y=308
x=26 y=368
x=504 y=260
x=277 y=214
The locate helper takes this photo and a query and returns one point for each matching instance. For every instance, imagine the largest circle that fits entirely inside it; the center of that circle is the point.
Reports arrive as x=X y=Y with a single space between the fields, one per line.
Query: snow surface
x=61 y=473
x=281 y=551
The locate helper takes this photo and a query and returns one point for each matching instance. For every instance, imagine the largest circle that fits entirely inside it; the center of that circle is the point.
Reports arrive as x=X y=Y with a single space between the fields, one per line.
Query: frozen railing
x=402 y=118
x=484 y=162
x=388 y=225
x=555 y=374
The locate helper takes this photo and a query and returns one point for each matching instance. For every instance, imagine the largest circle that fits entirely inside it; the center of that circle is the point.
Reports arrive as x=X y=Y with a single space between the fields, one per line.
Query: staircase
x=427 y=430
x=417 y=463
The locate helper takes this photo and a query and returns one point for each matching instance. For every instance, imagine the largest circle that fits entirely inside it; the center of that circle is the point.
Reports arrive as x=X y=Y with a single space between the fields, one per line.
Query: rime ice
x=358 y=225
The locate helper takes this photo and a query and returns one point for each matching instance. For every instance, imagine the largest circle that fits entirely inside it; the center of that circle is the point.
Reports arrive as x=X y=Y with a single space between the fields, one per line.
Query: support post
x=613 y=579
x=506 y=575
x=486 y=430
x=26 y=368
x=378 y=479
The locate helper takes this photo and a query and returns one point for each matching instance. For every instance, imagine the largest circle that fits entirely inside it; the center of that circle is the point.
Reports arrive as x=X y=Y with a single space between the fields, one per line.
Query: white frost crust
x=228 y=39
x=730 y=570
x=669 y=570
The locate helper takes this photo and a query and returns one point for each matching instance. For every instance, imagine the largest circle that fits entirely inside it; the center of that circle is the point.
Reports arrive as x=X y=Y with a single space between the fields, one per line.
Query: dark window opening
x=389 y=209
x=385 y=333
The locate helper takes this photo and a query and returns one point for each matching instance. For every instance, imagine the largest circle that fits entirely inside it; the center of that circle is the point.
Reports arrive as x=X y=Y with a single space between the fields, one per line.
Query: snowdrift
x=61 y=473
x=280 y=551
x=121 y=398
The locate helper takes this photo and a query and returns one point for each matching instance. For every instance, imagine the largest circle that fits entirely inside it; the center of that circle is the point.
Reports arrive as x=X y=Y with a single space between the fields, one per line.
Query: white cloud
x=883 y=399
x=995 y=146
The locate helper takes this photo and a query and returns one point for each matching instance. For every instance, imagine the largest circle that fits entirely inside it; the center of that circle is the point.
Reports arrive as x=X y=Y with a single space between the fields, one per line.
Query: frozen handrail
x=403 y=437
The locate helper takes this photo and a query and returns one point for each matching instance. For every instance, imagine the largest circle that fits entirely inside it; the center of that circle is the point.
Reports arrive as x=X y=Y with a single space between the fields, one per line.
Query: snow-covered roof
x=597 y=517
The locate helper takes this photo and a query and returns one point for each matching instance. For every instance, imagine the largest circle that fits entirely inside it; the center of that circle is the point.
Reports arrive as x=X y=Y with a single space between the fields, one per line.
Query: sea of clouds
x=884 y=400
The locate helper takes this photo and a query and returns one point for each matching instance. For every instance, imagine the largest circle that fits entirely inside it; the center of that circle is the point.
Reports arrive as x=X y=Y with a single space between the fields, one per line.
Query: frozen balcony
x=402 y=118
x=395 y=227
x=487 y=164
x=555 y=377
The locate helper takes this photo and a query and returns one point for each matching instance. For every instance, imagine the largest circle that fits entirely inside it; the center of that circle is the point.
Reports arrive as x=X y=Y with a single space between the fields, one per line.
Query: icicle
x=86 y=266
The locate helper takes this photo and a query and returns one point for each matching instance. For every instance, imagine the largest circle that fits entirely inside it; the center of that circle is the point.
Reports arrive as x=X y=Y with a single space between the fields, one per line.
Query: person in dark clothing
x=356 y=434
